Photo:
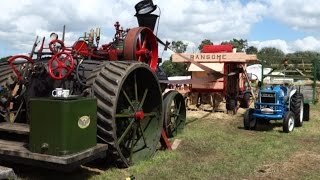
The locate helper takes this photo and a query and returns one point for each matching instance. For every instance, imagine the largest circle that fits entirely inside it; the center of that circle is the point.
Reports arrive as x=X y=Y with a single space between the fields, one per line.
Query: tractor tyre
x=306 y=112
x=129 y=110
x=249 y=122
x=245 y=101
x=296 y=106
x=288 y=122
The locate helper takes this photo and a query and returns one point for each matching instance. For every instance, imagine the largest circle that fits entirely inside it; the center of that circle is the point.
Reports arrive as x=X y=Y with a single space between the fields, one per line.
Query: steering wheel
x=61 y=65
x=56 y=46
x=11 y=61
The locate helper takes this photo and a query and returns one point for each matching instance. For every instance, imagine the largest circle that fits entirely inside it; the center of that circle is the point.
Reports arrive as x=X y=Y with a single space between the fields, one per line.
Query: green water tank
x=62 y=126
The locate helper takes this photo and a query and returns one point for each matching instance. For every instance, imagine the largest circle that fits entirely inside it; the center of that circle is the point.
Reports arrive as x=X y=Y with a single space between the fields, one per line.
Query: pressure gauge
x=53 y=36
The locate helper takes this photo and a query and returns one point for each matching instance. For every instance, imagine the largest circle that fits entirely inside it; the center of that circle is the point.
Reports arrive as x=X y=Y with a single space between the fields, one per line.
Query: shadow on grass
x=84 y=172
x=196 y=119
x=266 y=126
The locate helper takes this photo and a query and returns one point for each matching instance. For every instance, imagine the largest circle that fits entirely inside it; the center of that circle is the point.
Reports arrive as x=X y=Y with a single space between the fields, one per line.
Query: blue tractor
x=280 y=102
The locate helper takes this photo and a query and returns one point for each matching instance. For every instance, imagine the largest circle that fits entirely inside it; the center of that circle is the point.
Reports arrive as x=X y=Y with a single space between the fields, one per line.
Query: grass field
x=215 y=146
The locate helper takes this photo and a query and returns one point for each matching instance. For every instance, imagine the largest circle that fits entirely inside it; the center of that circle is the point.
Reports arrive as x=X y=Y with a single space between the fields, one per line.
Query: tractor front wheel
x=249 y=122
x=288 y=122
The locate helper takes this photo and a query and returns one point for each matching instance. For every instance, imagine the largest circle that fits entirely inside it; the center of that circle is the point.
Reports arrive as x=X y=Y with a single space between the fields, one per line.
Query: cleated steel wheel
x=5 y=72
x=174 y=113
x=129 y=110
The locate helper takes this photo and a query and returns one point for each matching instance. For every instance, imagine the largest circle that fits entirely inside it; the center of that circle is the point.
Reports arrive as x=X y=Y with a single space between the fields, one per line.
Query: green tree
x=240 y=44
x=176 y=69
x=179 y=46
x=302 y=57
x=306 y=57
x=4 y=58
x=252 y=50
x=204 y=42
x=271 y=55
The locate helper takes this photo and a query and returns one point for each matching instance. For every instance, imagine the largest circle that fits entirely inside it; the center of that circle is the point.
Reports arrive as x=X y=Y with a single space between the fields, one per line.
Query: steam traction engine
x=115 y=96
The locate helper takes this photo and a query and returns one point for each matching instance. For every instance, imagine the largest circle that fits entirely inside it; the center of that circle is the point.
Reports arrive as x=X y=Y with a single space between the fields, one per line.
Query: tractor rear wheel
x=296 y=106
x=174 y=109
x=306 y=112
x=249 y=122
x=288 y=122
x=245 y=101
x=129 y=110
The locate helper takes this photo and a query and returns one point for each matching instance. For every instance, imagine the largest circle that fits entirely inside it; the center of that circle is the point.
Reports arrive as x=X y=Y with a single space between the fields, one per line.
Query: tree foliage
x=176 y=69
x=252 y=50
x=271 y=55
x=4 y=58
x=204 y=42
x=240 y=44
x=179 y=46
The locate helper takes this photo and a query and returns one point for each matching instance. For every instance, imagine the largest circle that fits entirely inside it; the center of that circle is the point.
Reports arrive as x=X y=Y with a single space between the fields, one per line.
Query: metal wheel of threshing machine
x=141 y=45
x=174 y=109
x=129 y=110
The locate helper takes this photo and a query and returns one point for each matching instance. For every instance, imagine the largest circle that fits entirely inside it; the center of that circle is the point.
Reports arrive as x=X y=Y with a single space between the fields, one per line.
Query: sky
x=290 y=25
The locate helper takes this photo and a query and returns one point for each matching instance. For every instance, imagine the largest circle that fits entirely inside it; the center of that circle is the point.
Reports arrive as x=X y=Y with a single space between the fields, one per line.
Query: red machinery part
x=210 y=48
x=11 y=61
x=81 y=47
x=141 y=45
x=56 y=46
x=61 y=65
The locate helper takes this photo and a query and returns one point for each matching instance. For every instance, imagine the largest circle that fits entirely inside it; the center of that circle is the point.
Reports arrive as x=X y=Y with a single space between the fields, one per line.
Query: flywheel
x=129 y=110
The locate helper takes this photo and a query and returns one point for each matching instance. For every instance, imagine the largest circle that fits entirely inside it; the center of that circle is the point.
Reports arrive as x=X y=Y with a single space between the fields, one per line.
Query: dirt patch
x=297 y=165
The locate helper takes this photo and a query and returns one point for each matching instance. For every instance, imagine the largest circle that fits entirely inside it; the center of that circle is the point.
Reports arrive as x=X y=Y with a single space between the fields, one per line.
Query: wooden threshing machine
x=223 y=74
x=115 y=108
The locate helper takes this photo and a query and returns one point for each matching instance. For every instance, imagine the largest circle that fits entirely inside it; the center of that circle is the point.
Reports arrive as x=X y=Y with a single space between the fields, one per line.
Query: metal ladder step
x=16 y=128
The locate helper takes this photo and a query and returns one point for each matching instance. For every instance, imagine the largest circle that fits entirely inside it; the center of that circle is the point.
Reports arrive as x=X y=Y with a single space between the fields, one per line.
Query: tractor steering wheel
x=61 y=65
x=56 y=46
x=11 y=61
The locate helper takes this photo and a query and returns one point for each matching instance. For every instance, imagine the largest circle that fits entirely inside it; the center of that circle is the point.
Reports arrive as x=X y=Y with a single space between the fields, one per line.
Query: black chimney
x=143 y=13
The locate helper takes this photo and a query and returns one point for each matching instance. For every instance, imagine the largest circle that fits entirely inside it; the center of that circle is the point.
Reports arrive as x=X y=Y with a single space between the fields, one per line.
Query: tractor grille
x=268 y=97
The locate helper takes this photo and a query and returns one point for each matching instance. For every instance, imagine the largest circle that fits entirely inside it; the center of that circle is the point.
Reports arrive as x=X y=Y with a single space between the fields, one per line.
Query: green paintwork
x=54 y=127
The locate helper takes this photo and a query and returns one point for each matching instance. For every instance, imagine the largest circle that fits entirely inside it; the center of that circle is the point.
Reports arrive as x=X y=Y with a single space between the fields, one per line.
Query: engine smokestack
x=143 y=13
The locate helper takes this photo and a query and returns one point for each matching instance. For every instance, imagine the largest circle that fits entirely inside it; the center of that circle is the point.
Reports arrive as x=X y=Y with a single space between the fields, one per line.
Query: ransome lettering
x=208 y=56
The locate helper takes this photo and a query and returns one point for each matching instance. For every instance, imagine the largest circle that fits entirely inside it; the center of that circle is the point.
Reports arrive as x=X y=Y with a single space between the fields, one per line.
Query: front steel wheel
x=174 y=113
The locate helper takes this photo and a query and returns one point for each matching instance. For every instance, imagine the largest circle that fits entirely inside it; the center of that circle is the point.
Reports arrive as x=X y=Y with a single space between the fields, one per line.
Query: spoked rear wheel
x=174 y=113
x=129 y=110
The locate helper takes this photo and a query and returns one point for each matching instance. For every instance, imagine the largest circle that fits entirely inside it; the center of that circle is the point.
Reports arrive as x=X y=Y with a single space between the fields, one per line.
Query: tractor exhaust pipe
x=143 y=13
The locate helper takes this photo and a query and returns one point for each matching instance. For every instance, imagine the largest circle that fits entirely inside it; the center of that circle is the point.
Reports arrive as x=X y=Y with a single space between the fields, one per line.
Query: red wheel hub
x=61 y=65
x=139 y=115
x=13 y=59
x=56 y=46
